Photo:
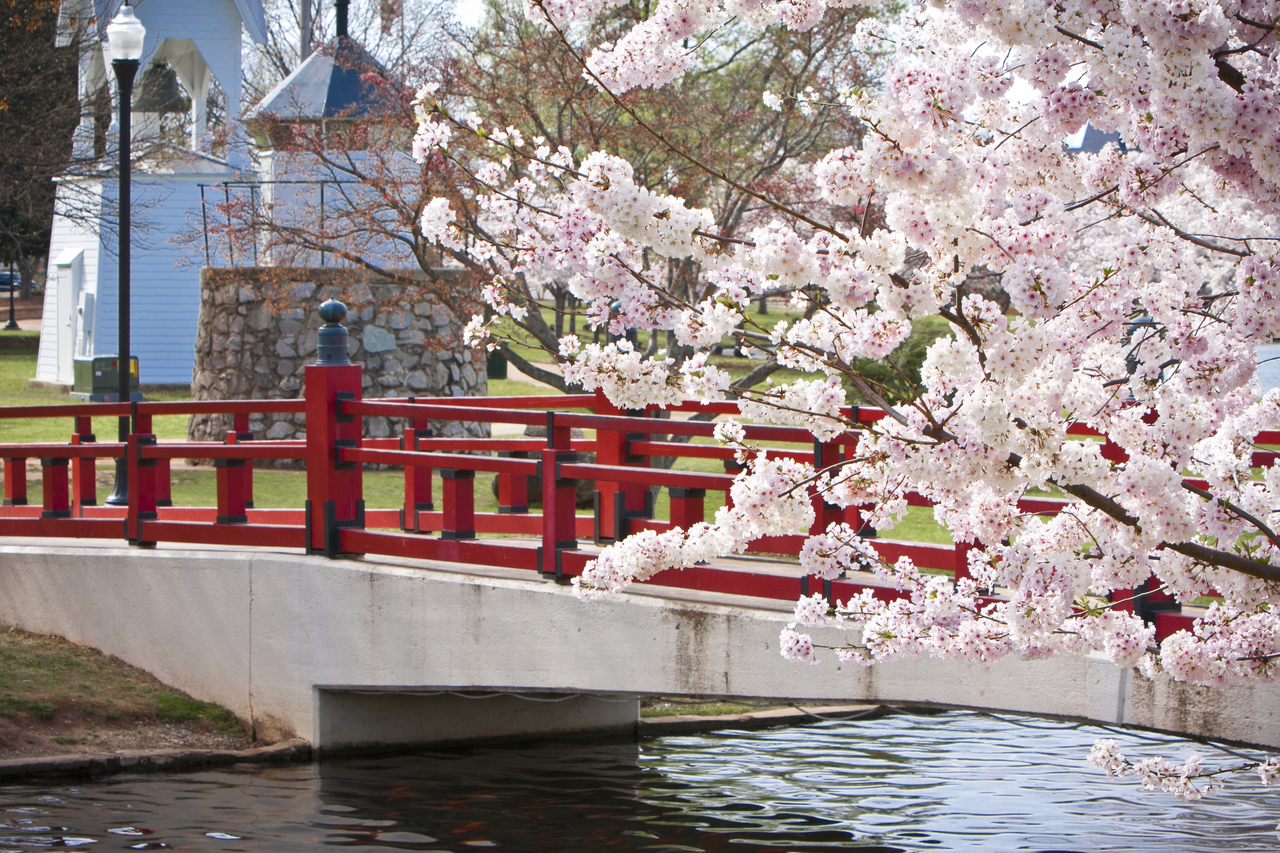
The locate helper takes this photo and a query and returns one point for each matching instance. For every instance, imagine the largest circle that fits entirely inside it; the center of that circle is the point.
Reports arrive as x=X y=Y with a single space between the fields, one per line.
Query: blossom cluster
x=1189 y=780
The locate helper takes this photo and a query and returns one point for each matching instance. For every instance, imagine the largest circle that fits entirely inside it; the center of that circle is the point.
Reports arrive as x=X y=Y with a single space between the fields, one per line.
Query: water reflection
x=956 y=781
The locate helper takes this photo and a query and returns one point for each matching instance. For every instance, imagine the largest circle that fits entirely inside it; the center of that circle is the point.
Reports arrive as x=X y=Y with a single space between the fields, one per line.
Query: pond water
x=956 y=781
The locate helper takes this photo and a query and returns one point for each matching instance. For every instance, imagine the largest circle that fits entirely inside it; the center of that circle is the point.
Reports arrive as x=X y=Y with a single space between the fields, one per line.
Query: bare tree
x=39 y=111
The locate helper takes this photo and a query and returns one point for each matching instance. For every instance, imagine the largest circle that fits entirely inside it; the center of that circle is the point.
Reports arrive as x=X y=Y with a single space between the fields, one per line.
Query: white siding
x=68 y=234
x=164 y=281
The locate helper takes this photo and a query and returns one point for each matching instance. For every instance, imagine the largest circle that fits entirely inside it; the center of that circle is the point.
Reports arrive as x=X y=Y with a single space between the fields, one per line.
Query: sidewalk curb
x=149 y=761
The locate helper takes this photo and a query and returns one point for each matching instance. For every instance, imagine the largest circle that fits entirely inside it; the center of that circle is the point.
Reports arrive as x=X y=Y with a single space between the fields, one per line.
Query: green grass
x=36 y=710
x=15 y=370
x=19 y=342
x=42 y=675
x=175 y=708
x=196 y=487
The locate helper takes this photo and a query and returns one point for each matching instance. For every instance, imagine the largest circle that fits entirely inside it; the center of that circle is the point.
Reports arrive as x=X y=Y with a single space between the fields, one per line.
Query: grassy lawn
x=43 y=676
x=15 y=370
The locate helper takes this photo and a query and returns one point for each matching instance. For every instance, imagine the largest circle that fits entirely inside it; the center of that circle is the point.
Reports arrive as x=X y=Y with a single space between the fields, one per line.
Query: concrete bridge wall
x=352 y=653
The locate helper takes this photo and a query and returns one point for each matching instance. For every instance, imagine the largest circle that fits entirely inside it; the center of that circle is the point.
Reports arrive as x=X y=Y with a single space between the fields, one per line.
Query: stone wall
x=257 y=332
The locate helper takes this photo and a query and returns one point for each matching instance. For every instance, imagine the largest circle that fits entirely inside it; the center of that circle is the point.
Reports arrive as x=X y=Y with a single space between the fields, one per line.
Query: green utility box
x=495 y=366
x=96 y=381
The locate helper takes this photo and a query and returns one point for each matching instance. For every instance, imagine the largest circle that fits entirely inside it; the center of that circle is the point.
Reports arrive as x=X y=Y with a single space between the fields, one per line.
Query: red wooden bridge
x=554 y=542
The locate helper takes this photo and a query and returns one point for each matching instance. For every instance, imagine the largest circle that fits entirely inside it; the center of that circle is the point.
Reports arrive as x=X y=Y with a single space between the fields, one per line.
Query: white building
x=200 y=40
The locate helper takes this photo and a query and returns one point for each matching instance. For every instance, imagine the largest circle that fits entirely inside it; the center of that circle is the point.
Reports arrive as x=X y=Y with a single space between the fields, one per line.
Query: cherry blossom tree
x=1141 y=277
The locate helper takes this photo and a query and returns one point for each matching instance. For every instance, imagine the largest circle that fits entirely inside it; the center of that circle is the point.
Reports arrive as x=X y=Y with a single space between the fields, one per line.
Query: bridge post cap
x=333 y=311
x=331 y=340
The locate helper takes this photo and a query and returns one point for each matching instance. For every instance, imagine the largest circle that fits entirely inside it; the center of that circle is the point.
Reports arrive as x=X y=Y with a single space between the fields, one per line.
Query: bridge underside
x=362 y=653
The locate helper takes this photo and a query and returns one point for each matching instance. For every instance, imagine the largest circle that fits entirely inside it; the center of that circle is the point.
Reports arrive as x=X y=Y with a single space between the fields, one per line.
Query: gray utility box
x=96 y=380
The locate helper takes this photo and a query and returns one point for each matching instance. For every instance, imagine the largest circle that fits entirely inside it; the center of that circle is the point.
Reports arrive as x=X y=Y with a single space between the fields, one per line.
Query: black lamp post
x=13 y=322
x=125 y=38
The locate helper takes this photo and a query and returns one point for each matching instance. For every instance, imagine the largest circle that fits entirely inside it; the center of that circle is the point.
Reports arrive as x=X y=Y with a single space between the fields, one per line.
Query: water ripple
x=955 y=781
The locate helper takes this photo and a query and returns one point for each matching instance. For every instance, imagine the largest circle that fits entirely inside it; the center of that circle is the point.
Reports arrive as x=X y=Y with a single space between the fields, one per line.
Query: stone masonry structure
x=257 y=333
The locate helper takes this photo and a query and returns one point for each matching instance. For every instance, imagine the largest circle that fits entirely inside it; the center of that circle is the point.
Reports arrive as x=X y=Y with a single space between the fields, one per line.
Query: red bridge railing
x=334 y=521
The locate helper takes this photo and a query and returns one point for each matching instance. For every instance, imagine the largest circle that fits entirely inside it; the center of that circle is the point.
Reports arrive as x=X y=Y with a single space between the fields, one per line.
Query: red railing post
x=57 y=497
x=240 y=424
x=459 y=503
x=825 y=454
x=513 y=489
x=335 y=496
x=616 y=503
x=15 y=481
x=233 y=493
x=1155 y=606
x=853 y=514
x=962 y=550
x=559 y=499
x=84 y=472
x=142 y=480
x=417 y=480
x=688 y=506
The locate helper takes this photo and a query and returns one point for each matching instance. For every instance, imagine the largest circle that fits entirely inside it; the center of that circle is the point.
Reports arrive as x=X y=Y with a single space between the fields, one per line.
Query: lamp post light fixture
x=125 y=39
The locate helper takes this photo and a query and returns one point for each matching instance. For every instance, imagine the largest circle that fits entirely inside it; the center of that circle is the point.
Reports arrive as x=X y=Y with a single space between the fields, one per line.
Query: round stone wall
x=255 y=339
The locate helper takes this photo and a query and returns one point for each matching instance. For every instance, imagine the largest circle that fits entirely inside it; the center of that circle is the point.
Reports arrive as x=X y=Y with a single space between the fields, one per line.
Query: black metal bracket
x=339 y=444
x=630 y=439
x=681 y=492
x=1146 y=609
x=137 y=539
x=826 y=587
x=341 y=397
x=145 y=441
x=425 y=506
x=569 y=458
x=622 y=516
x=331 y=526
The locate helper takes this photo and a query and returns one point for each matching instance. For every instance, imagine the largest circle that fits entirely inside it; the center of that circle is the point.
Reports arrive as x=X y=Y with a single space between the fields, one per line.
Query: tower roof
x=328 y=84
